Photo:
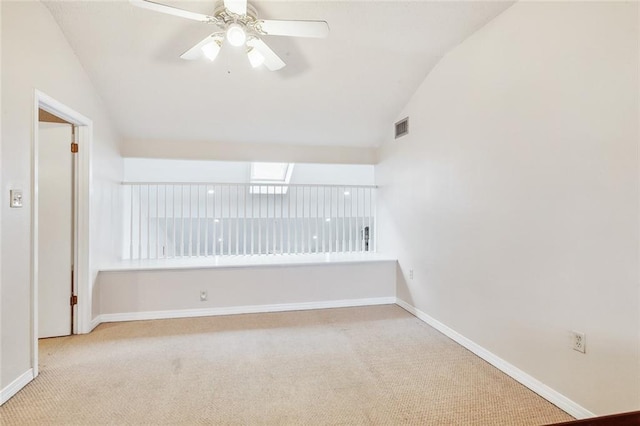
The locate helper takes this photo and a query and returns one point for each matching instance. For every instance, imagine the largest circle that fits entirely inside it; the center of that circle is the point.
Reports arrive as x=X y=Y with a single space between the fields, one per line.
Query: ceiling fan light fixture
x=211 y=50
x=236 y=35
x=255 y=58
x=237 y=22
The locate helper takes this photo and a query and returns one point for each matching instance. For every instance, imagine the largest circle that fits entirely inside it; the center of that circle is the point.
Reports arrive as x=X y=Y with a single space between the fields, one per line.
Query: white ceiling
x=345 y=90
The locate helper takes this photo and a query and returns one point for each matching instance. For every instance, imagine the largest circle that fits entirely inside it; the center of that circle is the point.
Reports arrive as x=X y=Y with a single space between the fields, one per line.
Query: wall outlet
x=578 y=341
x=410 y=274
x=203 y=295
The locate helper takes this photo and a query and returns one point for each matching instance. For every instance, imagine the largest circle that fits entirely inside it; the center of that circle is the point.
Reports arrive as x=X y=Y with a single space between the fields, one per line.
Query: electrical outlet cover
x=578 y=341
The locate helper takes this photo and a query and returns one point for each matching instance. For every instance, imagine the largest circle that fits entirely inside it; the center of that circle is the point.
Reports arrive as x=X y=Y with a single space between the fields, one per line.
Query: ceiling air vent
x=402 y=127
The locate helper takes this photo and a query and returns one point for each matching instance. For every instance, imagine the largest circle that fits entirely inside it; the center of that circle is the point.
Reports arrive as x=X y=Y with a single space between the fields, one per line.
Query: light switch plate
x=15 y=196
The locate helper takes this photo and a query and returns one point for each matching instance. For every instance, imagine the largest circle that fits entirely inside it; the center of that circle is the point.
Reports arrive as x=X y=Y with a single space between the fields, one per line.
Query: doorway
x=79 y=223
x=56 y=225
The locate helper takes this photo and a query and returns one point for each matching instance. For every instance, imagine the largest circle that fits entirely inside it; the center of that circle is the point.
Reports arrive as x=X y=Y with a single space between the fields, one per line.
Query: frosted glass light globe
x=236 y=35
x=255 y=58
x=211 y=50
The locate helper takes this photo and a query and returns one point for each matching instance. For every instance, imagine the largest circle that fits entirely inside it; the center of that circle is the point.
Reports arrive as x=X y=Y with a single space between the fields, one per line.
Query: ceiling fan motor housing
x=248 y=21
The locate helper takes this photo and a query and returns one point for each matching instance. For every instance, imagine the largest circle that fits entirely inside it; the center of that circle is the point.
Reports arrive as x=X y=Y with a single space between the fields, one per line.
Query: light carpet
x=366 y=365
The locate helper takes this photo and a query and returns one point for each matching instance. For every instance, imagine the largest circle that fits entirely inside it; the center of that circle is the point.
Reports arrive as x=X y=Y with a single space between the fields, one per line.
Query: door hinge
x=74 y=147
x=74 y=300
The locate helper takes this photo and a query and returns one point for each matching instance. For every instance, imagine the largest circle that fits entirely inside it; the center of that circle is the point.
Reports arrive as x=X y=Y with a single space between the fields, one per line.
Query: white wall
x=220 y=151
x=515 y=196
x=333 y=174
x=173 y=170
x=35 y=55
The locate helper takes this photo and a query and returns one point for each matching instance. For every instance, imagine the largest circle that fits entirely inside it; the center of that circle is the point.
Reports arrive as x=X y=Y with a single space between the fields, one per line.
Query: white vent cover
x=402 y=127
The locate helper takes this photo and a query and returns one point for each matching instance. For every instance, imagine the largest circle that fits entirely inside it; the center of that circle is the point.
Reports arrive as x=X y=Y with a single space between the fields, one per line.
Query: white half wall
x=167 y=293
x=35 y=55
x=514 y=198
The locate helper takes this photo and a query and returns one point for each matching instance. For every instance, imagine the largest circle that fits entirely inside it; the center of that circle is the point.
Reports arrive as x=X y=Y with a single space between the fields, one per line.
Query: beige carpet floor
x=351 y=366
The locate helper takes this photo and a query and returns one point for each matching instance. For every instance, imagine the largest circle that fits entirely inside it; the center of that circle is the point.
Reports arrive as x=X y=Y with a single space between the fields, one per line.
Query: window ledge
x=245 y=261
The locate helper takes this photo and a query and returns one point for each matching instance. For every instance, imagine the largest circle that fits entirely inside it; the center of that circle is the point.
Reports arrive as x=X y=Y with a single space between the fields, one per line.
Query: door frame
x=82 y=185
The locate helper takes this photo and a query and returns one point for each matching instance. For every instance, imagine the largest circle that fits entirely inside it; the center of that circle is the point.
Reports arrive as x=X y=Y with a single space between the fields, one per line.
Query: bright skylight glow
x=269 y=172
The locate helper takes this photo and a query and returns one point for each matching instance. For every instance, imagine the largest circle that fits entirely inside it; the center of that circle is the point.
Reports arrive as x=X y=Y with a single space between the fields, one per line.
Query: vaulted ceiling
x=344 y=90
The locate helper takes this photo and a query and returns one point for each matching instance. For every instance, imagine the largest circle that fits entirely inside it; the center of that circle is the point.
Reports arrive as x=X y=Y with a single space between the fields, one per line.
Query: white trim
x=551 y=395
x=235 y=310
x=34 y=234
x=95 y=322
x=245 y=261
x=57 y=108
x=15 y=386
x=83 y=248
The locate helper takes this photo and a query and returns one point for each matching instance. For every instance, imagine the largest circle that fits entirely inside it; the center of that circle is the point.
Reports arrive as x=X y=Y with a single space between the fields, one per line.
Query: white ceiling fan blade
x=271 y=60
x=239 y=7
x=196 y=51
x=169 y=10
x=316 y=29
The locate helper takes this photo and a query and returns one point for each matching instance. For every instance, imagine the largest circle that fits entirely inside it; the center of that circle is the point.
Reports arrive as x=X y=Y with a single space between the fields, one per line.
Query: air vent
x=402 y=127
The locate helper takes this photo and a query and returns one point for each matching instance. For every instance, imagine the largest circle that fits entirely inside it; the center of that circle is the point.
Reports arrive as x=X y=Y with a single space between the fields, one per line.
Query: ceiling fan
x=237 y=22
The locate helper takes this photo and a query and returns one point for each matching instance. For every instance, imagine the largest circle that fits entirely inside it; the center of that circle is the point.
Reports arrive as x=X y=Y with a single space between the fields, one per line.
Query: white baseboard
x=234 y=310
x=13 y=387
x=525 y=379
x=94 y=323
